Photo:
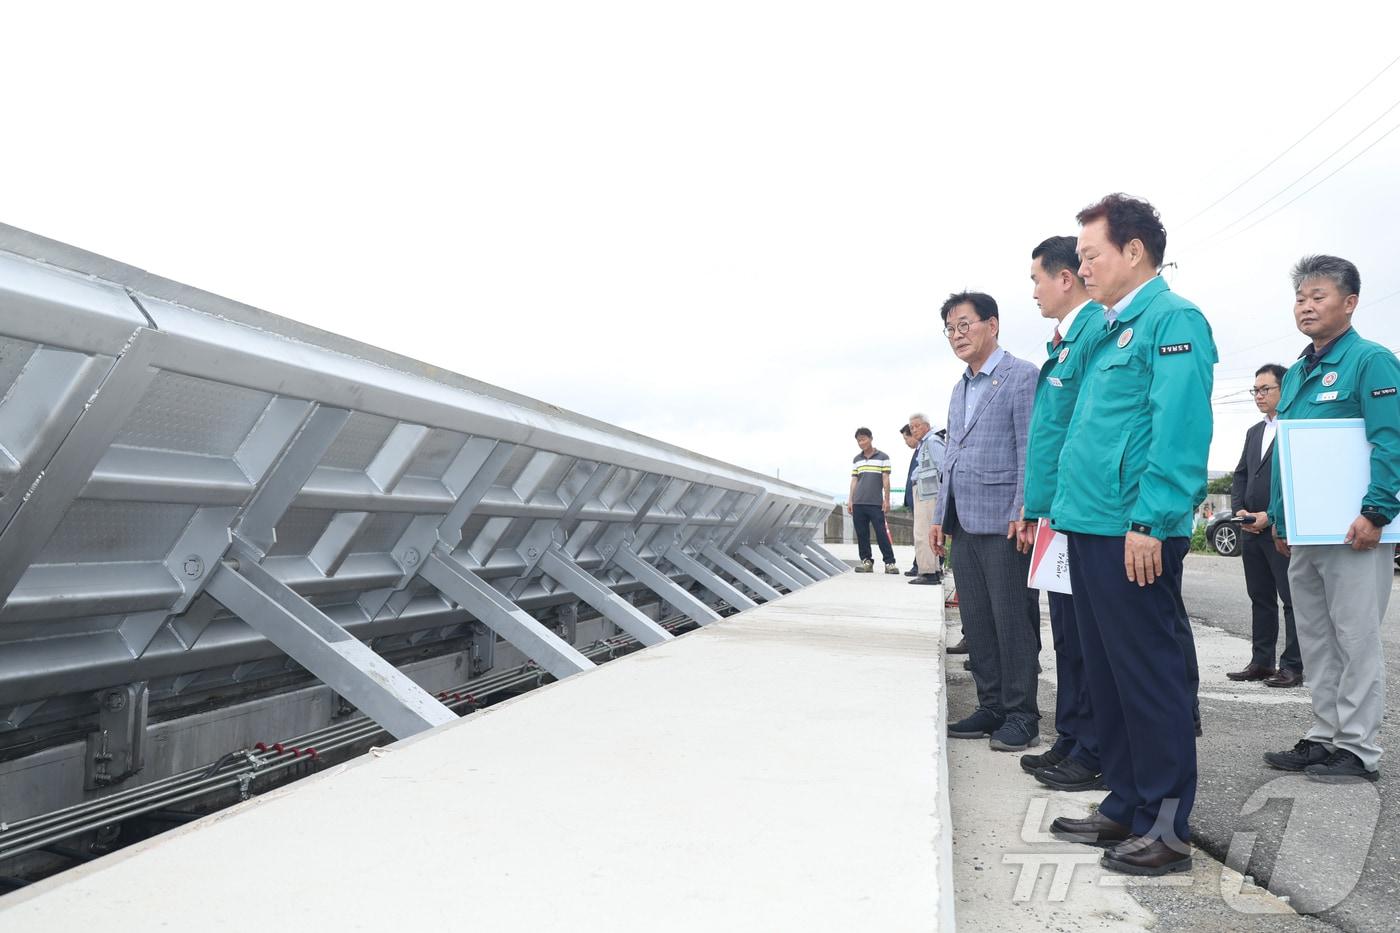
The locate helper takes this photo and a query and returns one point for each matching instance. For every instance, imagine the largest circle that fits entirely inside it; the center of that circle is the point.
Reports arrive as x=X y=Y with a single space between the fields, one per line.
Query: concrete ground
x=1335 y=851
x=1010 y=874
x=1329 y=852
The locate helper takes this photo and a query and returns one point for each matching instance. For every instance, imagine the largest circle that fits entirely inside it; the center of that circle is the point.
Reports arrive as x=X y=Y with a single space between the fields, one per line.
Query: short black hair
x=985 y=305
x=906 y=431
x=1129 y=219
x=1273 y=369
x=863 y=432
x=1058 y=252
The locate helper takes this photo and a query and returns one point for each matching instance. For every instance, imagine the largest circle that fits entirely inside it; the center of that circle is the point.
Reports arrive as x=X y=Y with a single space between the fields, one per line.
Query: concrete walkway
x=779 y=770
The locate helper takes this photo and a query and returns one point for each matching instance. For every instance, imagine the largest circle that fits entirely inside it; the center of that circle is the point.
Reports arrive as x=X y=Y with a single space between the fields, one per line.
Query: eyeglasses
x=962 y=327
x=1262 y=390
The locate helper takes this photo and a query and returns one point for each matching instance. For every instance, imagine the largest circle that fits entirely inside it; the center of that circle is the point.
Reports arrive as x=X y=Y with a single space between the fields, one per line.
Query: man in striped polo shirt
x=869 y=500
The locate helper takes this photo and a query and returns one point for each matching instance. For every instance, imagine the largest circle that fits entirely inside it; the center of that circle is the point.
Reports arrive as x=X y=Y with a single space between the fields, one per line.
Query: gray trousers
x=1002 y=640
x=1339 y=599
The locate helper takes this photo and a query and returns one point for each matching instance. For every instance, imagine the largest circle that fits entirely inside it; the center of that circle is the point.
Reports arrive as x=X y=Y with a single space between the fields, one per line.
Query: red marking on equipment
x=296 y=753
x=277 y=747
x=261 y=746
x=312 y=753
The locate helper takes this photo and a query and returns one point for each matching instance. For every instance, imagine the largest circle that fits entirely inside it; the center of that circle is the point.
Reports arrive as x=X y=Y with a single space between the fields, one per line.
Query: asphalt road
x=1335 y=836
x=1333 y=851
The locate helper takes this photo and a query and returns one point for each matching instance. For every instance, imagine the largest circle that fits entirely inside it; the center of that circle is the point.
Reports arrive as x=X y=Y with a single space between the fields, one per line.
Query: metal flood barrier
x=190 y=485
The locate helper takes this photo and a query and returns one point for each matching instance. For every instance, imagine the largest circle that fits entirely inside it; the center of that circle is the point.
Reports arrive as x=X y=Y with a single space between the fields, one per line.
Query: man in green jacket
x=1340 y=591
x=1072 y=763
x=1132 y=471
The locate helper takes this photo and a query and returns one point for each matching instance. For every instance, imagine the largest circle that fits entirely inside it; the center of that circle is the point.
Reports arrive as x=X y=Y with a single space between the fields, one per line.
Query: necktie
x=1056 y=342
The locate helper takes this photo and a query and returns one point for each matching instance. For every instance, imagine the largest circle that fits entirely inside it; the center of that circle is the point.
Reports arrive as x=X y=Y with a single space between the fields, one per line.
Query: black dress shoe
x=912 y=572
x=927 y=579
x=1095 y=830
x=1306 y=752
x=1252 y=671
x=1033 y=763
x=959 y=648
x=1143 y=856
x=1285 y=678
x=1071 y=775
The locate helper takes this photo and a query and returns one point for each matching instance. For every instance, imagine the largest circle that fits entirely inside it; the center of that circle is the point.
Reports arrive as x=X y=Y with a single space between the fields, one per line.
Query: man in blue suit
x=980 y=500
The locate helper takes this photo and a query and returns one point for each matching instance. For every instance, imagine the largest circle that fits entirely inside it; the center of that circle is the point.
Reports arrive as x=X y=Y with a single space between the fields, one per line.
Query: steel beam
x=663 y=586
x=53 y=490
x=739 y=572
x=491 y=608
x=821 y=554
x=258 y=523
x=613 y=607
x=802 y=576
x=317 y=643
x=779 y=571
x=801 y=561
x=708 y=578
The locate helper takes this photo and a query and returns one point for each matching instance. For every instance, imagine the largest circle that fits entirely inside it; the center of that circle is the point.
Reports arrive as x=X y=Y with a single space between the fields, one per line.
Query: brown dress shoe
x=1143 y=856
x=1252 y=672
x=1096 y=830
x=959 y=648
x=1285 y=678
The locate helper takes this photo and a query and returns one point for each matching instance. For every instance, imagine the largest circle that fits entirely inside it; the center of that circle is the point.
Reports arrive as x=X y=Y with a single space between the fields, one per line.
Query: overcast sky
x=726 y=225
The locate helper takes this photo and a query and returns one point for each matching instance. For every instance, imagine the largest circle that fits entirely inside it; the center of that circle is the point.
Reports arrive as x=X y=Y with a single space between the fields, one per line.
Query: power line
x=1284 y=190
x=1294 y=145
x=1312 y=188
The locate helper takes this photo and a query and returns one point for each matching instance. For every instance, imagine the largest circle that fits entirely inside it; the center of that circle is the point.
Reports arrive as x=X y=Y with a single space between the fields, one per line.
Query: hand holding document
x=1325 y=469
x=1049 y=560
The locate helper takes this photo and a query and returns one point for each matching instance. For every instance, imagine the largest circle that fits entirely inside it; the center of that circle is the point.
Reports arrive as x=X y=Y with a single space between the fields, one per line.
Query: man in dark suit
x=1265 y=569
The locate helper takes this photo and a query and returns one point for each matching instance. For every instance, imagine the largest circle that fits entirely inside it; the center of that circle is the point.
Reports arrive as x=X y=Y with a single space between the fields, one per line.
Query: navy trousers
x=1138 y=671
x=1074 y=717
x=865 y=517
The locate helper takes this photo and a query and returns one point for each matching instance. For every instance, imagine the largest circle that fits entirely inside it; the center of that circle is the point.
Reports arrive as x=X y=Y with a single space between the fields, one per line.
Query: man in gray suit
x=979 y=504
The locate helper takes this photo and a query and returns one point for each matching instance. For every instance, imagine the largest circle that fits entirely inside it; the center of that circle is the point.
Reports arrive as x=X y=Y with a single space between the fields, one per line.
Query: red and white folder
x=1049 y=560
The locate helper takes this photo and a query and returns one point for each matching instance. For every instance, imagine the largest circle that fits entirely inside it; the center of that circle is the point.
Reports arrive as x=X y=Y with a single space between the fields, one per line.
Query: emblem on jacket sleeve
x=1125 y=338
x=1330 y=379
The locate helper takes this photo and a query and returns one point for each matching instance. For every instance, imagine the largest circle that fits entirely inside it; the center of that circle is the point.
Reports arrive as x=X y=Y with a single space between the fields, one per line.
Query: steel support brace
x=801 y=561
x=802 y=576
x=739 y=572
x=709 y=579
x=780 y=572
x=258 y=523
x=819 y=554
x=612 y=606
x=491 y=608
x=663 y=586
x=317 y=643
x=53 y=490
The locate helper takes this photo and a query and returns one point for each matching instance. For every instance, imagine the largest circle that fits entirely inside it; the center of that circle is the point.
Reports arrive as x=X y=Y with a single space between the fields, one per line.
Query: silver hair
x=920 y=416
x=1342 y=273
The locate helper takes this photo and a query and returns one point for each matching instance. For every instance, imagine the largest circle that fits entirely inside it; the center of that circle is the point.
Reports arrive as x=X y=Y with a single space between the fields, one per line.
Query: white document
x=1049 y=560
x=1326 y=468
